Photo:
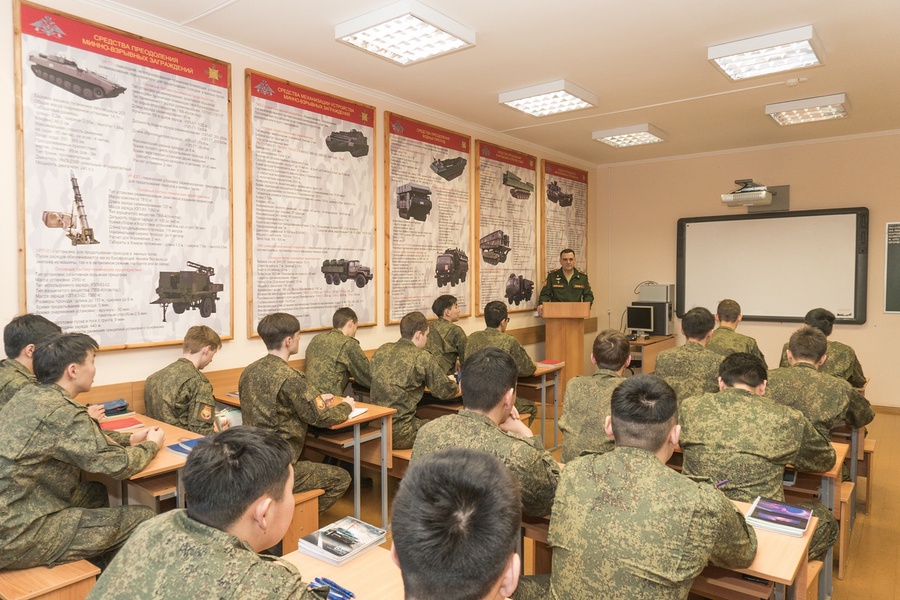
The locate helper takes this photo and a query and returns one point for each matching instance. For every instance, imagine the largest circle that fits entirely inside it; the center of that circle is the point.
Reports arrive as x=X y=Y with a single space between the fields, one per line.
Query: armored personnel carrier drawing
x=518 y=289
x=555 y=194
x=65 y=73
x=188 y=290
x=495 y=247
x=414 y=201
x=449 y=168
x=452 y=267
x=517 y=188
x=337 y=271
x=79 y=234
x=352 y=141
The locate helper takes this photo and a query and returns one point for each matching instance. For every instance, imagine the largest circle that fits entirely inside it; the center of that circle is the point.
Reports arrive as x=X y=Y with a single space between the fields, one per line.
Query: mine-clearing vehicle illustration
x=65 y=73
x=449 y=168
x=555 y=194
x=452 y=267
x=518 y=289
x=352 y=141
x=80 y=233
x=338 y=270
x=518 y=189
x=414 y=201
x=495 y=247
x=188 y=290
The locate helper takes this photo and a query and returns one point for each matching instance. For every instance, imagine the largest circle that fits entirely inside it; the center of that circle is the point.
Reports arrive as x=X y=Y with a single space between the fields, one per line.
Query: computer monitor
x=639 y=319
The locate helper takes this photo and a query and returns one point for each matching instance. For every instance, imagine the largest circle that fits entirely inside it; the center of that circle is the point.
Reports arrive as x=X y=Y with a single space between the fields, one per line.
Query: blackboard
x=892 y=268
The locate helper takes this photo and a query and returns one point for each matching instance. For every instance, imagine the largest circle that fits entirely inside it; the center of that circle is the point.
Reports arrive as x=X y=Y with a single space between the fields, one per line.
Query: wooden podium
x=565 y=336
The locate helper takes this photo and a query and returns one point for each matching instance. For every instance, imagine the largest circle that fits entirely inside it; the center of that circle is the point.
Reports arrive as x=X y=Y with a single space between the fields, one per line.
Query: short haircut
x=611 y=349
x=227 y=472
x=494 y=313
x=566 y=251
x=455 y=523
x=25 y=330
x=742 y=367
x=442 y=303
x=821 y=319
x=53 y=354
x=342 y=316
x=486 y=376
x=275 y=327
x=728 y=311
x=413 y=323
x=697 y=322
x=644 y=409
x=808 y=343
x=199 y=337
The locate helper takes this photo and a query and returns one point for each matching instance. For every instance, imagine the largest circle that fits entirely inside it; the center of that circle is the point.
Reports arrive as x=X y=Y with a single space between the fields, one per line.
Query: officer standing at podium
x=567 y=284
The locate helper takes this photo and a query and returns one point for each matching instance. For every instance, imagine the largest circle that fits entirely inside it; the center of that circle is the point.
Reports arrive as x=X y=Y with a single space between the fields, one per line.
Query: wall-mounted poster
x=311 y=203
x=126 y=203
x=892 y=268
x=427 y=216
x=564 y=214
x=506 y=209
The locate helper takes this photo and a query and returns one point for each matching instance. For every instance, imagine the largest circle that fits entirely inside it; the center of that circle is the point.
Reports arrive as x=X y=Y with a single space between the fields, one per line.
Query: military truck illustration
x=80 y=233
x=337 y=271
x=495 y=247
x=452 y=267
x=449 y=168
x=414 y=200
x=188 y=290
x=518 y=189
x=352 y=141
x=65 y=73
x=555 y=194
x=518 y=289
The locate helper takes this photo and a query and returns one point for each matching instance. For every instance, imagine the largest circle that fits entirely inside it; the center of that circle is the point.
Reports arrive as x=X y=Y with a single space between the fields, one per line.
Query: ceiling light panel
x=549 y=98
x=634 y=135
x=809 y=110
x=766 y=54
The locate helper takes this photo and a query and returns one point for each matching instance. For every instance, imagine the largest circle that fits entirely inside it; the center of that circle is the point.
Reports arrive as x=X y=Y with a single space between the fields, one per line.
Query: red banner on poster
x=570 y=173
x=280 y=91
x=510 y=157
x=427 y=133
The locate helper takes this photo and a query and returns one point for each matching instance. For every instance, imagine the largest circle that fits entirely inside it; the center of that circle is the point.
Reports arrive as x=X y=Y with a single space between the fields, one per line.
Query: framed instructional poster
x=563 y=214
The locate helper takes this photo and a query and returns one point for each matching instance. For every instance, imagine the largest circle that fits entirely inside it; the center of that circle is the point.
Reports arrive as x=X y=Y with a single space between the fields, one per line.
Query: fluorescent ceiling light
x=405 y=32
x=549 y=98
x=808 y=110
x=766 y=54
x=634 y=135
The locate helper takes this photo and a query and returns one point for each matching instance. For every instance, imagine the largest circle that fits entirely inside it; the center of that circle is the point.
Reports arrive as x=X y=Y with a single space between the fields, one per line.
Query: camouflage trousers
x=527 y=407
x=826 y=533
x=404 y=433
x=316 y=476
x=533 y=587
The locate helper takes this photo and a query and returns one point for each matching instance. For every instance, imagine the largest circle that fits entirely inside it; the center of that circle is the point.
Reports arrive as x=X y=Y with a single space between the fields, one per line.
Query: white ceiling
x=644 y=59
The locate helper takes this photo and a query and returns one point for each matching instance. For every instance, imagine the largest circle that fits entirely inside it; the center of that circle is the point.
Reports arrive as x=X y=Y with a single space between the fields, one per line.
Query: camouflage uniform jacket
x=557 y=289
x=840 y=361
x=625 y=525
x=823 y=399
x=691 y=370
x=400 y=372
x=727 y=341
x=494 y=338
x=193 y=560
x=532 y=466
x=274 y=396
x=585 y=408
x=181 y=395
x=13 y=377
x=48 y=440
x=748 y=440
x=331 y=359
x=447 y=342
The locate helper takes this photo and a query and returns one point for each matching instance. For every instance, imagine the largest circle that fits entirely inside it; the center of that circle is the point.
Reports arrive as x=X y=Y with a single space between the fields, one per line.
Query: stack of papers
x=779 y=517
x=341 y=541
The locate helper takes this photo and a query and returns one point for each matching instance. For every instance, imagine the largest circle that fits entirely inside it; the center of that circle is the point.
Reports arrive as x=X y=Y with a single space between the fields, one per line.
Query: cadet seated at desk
x=841 y=359
x=335 y=356
x=446 y=339
x=725 y=339
x=691 y=369
x=19 y=338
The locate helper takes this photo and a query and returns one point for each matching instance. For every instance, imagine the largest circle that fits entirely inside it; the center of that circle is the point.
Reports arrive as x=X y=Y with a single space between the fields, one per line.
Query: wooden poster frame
x=582 y=253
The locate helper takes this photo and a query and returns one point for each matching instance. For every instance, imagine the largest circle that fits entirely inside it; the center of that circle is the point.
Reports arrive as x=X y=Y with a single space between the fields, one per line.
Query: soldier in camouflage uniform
x=840 y=359
x=19 y=338
x=625 y=525
x=180 y=394
x=274 y=396
x=49 y=517
x=400 y=372
x=446 y=340
x=335 y=356
x=566 y=284
x=234 y=481
x=725 y=339
x=740 y=436
x=494 y=335
x=691 y=369
x=488 y=384
x=586 y=404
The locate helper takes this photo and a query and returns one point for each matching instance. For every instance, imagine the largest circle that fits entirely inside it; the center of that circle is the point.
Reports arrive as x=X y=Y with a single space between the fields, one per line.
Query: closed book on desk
x=341 y=541
x=779 y=517
x=183 y=447
x=121 y=424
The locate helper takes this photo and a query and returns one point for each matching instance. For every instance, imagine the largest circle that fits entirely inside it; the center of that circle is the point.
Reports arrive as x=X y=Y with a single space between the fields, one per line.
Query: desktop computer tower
x=663 y=318
x=657 y=292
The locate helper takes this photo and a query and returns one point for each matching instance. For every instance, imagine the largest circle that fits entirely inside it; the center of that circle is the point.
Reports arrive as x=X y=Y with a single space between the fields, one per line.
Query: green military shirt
x=840 y=361
x=727 y=341
x=691 y=370
x=585 y=408
x=494 y=338
x=13 y=377
x=532 y=466
x=181 y=395
x=400 y=373
x=173 y=556
x=331 y=359
x=558 y=289
x=447 y=342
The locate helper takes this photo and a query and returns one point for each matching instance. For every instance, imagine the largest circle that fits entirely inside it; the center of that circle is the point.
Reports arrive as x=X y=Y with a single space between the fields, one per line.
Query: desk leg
x=555 y=408
x=179 y=488
x=827 y=499
x=356 y=460
x=124 y=494
x=384 y=472
x=544 y=416
x=854 y=467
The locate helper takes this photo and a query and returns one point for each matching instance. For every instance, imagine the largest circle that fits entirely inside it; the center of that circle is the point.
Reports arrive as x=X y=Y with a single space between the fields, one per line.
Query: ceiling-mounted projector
x=749 y=194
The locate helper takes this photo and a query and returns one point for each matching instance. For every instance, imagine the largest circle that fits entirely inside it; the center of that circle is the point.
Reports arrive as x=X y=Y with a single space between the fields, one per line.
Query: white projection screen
x=777 y=266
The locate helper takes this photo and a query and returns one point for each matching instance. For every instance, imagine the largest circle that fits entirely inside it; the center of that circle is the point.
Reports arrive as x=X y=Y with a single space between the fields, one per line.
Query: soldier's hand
x=515 y=425
x=540 y=310
x=452 y=378
x=349 y=400
x=96 y=411
x=152 y=434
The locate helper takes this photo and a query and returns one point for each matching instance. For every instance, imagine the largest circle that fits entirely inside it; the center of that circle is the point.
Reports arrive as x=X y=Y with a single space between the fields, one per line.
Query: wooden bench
x=721 y=584
x=304 y=521
x=842 y=512
x=866 y=469
x=152 y=491
x=71 y=581
x=401 y=462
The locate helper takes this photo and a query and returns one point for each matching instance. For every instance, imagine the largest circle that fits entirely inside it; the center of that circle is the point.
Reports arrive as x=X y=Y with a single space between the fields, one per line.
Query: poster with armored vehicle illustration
x=563 y=215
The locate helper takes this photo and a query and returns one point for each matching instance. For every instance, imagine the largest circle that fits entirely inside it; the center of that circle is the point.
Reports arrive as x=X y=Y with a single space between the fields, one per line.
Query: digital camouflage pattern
x=532 y=466
x=746 y=439
x=585 y=408
x=840 y=361
x=447 y=343
x=173 y=556
x=181 y=395
x=13 y=377
x=494 y=338
x=331 y=359
x=400 y=372
x=47 y=518
x=726 y=341
x=274 y=396
x=557 y=289
x=691 y=370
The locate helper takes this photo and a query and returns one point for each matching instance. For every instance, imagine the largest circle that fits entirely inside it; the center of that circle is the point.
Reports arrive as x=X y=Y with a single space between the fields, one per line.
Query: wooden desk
x=538 y=381
x=371 y=575
x=222 y=395
x=647 y=350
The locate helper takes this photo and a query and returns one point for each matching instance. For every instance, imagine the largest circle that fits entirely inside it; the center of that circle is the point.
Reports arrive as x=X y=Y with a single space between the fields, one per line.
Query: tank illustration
x=517 y=188
x=352 y=141
x=518 y=289
x=65 y=73
x=495 y=247
x=449 y=168
x=414 y=201
x=555 y=194
x=188 y=290
x=80 y=233
x=337 y=271
x=452 y=267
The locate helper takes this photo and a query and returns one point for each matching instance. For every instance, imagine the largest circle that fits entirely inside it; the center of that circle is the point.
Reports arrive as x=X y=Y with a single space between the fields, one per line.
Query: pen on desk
x=338 y=587
x=333 y=594
x=721 y=483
